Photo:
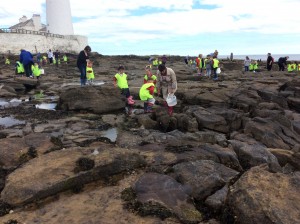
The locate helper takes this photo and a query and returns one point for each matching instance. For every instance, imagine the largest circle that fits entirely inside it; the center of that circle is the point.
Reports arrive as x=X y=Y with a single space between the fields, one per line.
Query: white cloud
x=116 y=21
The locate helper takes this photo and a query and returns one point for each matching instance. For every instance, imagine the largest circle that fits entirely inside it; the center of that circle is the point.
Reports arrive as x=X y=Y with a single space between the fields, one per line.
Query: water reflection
x=10 y=121
x=46 y=106
x=111 y=134
x=11 y=103
x=95 y=83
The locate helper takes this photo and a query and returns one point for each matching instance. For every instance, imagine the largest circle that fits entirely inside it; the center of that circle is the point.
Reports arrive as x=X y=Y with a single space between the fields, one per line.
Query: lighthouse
x=59 y=18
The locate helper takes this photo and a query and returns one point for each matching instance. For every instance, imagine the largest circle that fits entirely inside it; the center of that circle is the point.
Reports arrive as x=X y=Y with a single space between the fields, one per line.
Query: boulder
x=58 y=171
x=263 y=197
x=97 y=99
x=160 y=194
x=204 y=177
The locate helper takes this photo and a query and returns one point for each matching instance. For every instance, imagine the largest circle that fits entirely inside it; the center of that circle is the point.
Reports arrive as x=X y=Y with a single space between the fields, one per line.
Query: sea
x=263 y=57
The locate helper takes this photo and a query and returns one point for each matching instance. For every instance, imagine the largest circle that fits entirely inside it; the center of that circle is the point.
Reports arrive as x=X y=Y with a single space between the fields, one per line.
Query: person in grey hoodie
x=247 y=62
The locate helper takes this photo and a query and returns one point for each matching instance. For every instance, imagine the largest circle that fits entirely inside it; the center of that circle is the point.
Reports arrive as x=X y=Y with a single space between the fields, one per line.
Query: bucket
x=218 y=71
x=42 y=71
x=171 y=100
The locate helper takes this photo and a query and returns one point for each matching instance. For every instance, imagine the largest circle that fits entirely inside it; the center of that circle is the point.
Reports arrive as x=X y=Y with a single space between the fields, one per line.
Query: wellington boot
x=149 y=108
x=145 y=107
x=170 y=111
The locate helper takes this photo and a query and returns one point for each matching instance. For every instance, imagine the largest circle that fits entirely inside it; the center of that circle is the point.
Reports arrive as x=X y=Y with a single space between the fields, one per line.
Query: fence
x=23 y=31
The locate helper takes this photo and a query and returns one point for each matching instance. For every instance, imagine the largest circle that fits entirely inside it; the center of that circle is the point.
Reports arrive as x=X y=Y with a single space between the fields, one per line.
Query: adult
x=215 y=65
x=166 y=84
x=50 y=56
x=270 y=61
x=39 y=58
x=82 y=59
x=186 y=60
x=26 y=59
x=208 y=65
x=164 y=59
x=56 y=56
x=216 y=53
x=282 y=62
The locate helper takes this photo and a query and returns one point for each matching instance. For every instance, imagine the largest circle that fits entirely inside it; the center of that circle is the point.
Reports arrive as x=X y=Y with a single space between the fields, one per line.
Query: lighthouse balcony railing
x=24 y=31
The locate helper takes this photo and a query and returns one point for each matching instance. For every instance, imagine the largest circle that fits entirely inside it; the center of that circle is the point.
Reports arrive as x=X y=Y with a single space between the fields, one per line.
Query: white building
x=59 y=18
x=32 y=35
x=33 y=24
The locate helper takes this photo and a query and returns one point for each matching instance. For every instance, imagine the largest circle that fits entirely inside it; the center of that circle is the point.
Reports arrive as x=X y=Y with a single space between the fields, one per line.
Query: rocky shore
x=229 y=154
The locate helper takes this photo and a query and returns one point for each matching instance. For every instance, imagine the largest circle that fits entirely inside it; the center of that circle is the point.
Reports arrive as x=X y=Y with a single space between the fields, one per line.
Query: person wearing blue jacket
x=26 y=59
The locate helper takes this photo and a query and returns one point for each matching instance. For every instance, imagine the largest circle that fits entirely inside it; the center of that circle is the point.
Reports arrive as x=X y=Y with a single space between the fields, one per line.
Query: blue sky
x=177 y=27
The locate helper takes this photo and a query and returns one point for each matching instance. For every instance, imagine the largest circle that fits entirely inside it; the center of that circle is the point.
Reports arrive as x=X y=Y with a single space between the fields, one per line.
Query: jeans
x=27 y=69
x=246 y=68
x=82 y=69
x=215 y=74
x=208 y=72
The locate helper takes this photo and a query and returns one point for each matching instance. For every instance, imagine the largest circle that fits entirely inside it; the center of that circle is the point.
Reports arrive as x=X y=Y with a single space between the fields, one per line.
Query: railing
x=23 y=31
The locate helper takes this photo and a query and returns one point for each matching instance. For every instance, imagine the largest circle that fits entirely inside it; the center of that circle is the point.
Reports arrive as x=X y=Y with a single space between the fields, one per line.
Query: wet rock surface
x=70 y=154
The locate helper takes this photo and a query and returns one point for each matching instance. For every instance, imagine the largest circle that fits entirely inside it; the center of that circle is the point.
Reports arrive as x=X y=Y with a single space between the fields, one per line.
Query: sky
x=176 y=27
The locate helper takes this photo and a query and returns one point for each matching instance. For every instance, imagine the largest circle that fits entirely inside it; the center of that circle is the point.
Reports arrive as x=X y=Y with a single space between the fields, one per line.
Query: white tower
x=59 y=18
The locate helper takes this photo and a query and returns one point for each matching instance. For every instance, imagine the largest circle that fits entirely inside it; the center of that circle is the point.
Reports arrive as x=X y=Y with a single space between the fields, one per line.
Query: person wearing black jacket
x=82 y=60
x=282 y=62
x=270 y=61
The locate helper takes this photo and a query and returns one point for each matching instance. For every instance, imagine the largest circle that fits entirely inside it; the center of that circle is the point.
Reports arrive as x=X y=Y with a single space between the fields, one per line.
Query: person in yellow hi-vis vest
x=255 y=66
x=146 y=94
x=215 y=64
x=36 y=70
x=199 y=63
x=291 y=67
x=149 y=75
x=19 y=68
x=65 y=58
x=90 y=73
x=44 y=60
x=7 y=61
x=120 y=81
x=155 y=62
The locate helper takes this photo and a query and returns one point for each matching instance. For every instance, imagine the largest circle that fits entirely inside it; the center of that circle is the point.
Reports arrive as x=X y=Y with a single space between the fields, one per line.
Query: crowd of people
x=33 y=68
x=252 y=65
x=161 y=84
x=208 y=66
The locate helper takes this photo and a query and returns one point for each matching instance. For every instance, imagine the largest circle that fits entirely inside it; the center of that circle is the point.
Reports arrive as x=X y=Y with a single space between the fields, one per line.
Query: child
x=120 y=81
x=247 y=63
x=19 y=68
x=36 y=70
x=146 y=94
x=149 y=76
x=65 y=58
x=44 y=61
x=255 y=66
x=89 y=72
x=199 y=63
x=208 y=65
x=7 y=61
